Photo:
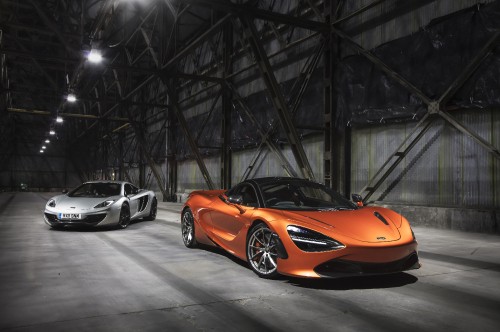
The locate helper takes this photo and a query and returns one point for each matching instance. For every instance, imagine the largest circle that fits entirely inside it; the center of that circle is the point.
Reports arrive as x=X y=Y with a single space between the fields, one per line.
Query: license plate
x=72 y=216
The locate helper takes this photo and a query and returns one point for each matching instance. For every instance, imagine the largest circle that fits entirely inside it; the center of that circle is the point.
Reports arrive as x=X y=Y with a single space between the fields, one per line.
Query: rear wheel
x=124 y=219
x=187 y=227
x=262 y=252
x=153 y=210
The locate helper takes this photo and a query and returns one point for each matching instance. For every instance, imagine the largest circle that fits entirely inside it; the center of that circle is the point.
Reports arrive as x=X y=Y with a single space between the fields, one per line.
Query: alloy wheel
x=262 y=252
x=187 y=228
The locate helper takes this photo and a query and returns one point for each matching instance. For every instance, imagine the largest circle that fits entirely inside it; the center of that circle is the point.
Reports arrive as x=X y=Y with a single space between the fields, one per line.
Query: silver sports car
x=100 y=203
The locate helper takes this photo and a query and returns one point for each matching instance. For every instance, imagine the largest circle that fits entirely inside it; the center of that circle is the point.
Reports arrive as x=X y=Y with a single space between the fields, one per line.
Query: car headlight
x=103 y=204
x=51 y=203
x=312 y=241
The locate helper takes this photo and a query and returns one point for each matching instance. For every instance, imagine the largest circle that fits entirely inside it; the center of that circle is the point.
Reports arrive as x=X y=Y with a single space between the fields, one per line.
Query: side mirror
x=357 y=199
x=235 y=199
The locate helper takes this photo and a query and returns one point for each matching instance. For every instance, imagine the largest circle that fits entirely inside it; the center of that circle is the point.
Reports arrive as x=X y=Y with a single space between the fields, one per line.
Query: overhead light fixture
x=52 y=132
x=71 y=98
x=41 y=151
x=44 y=147
x=47 y=141
x=59 y=119
x=95 y=56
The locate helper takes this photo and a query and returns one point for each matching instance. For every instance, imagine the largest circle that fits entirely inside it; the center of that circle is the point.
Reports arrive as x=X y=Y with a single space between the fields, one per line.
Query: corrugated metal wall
x=446 y=167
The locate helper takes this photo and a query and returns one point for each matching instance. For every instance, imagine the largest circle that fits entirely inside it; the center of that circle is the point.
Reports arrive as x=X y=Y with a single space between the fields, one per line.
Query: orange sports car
x=299 y=228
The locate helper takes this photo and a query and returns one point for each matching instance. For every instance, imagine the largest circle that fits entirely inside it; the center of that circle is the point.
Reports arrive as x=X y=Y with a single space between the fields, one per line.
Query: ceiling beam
x=64 y=115
x=239 y=9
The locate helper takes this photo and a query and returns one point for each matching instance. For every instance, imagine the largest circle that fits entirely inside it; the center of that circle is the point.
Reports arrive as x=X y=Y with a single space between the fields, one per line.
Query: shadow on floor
x=364 y=282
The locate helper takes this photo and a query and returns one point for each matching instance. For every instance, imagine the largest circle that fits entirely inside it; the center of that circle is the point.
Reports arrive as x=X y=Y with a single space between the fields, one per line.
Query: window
x=247 y=193
x=129 y=189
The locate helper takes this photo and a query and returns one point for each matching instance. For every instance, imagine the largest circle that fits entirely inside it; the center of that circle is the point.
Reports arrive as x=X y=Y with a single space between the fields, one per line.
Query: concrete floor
x=144 y=279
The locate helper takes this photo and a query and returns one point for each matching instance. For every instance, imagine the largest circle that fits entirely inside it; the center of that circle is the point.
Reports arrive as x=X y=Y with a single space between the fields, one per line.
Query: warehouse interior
x=398 y=101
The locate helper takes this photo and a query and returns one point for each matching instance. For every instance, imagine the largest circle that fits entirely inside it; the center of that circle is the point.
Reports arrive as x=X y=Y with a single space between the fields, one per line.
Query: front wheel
x=124 y=219
x=262 y=252
x=187 y=227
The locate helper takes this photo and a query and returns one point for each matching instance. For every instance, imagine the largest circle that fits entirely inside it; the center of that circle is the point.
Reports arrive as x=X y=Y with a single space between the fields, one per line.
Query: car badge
x=381 y=238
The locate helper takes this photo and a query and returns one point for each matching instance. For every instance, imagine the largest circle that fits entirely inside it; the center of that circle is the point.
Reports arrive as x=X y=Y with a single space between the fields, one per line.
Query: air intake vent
x=378 y=215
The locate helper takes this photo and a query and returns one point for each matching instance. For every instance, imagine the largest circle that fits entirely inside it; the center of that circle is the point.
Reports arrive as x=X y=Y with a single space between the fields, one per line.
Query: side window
x=128 y=189
x=135 y=190
x=249 y=196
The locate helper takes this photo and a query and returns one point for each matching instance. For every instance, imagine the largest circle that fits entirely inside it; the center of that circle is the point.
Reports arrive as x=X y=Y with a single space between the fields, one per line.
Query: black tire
x=152 y=212
x=187 y=229
x=124 y=219
x=262 y=252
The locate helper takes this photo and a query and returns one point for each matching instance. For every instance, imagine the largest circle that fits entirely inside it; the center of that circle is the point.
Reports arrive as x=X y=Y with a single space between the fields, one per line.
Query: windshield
x=97 y=189
x=303 y=195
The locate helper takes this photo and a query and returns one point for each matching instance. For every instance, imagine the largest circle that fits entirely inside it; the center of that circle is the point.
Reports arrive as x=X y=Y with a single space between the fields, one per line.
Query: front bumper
x=103 y=217
x=354 y=260
x=338 y=268
x=89 y=220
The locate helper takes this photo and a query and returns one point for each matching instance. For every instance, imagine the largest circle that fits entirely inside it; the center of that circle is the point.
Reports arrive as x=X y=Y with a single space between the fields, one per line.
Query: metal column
x=226 y=155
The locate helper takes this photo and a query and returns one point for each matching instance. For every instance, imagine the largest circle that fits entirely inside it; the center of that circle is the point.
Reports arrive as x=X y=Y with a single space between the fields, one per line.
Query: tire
x=262 y=253
x=187 y=228
x=153 y=210
x=124 y=219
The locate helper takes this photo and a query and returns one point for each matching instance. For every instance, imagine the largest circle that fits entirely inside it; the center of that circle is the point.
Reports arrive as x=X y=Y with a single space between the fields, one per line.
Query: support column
x=226 y=155
x=171 y=163
x=337 y=153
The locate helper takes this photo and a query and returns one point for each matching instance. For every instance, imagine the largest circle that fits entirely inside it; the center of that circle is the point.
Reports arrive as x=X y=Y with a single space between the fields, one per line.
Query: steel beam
x=264 y=138
x=468 y=70
x=186 y=50
x=358 y=11
x=50 y=24
x=243 y=9
x=195 y=43
x=328 y=100
x=145 y=152
x=187 y=132
x=212 y=108
x=64 y=115
x=227 y=107
x=296 y=94
x=397 y=156
x=382 y=66
x=251 y=36
x=195 y=77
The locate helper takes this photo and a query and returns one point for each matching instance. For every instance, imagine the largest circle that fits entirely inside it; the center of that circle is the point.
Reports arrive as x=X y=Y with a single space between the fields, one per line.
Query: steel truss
x=165 y=58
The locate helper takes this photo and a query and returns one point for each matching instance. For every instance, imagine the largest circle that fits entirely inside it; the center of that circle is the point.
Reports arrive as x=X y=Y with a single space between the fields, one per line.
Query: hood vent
x=378 y=215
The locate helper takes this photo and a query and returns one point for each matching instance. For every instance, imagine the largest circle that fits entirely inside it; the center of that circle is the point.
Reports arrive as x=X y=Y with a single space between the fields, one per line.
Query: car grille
x=337 y=268
x=90 y=219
